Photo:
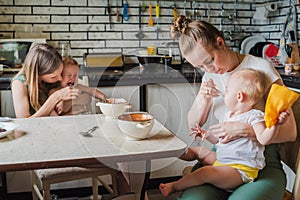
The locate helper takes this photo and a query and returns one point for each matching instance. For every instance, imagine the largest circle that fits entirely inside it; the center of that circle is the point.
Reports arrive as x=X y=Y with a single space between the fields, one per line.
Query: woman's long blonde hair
x=192 y=32
x=41 y=59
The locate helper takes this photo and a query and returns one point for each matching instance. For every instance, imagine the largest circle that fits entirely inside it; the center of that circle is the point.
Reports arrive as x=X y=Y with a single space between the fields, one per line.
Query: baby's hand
x=59 y=107
x=198 y=132
x=283 y=116
x=104 y=99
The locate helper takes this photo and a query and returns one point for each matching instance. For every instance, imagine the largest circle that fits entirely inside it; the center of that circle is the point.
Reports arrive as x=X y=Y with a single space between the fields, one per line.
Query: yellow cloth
x=280 y=98
x=250 y=172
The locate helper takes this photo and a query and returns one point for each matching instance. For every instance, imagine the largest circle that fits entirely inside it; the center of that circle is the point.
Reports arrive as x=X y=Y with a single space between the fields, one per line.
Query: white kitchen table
x=48 y=142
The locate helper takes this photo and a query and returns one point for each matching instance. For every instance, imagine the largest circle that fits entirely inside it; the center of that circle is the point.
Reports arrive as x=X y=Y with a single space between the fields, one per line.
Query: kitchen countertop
x=290 y=80
x=129 y=75
x=140 y=75
x=153 y=74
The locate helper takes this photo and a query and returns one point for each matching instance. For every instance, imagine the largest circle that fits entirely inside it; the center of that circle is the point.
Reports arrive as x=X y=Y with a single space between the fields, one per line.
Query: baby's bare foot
x=166 y=189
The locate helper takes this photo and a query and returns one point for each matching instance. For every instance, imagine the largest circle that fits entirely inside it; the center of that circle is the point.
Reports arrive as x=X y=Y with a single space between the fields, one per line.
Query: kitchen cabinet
x=170 y=103
x=7 y=108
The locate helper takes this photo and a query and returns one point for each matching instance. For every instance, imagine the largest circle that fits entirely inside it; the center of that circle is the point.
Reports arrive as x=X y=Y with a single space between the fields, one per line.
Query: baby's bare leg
x=202 y=154
x=207 y=174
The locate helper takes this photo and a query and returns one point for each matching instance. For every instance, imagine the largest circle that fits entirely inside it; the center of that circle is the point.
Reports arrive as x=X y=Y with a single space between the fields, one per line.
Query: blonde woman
x=30 y=87
x=240 y=160
x=204 y=47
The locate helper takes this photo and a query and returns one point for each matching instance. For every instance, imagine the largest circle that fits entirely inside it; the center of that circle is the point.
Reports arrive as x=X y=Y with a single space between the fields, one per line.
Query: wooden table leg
x=143 y=98
x=4 y=186
x=146 y=180
x=139 y=175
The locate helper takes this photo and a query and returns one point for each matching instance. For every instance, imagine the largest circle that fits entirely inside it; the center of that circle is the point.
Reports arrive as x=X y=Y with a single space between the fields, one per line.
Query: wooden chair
x=295 y=195
x=296 y=192
x=290 y=154
x=43 y=178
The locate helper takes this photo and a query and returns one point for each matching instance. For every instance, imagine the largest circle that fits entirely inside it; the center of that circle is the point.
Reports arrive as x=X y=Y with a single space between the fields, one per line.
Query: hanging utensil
x=221 y=17
x=208 y=13
x=157 y=13
x=194 y=11
x=285 y=50
x=150 y=22
x=108 y=11
x=125 y=12
x=118 y=12
x=140 y=35
x=174 y=11
x=184 y=8
x=144 y=6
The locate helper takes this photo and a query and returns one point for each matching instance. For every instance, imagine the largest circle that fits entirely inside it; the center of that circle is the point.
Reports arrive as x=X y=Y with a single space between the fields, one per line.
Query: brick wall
x=85 y=23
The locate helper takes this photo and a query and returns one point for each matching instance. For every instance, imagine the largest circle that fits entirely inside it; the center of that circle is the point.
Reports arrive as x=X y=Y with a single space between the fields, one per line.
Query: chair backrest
x=296 y=191
x=290 y=151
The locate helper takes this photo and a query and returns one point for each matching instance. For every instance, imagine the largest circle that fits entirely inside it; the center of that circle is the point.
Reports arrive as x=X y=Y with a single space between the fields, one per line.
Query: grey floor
x=153 y=194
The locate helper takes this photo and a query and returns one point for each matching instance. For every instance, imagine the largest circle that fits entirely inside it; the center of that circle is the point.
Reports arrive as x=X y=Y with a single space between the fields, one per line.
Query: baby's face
x=69 y=75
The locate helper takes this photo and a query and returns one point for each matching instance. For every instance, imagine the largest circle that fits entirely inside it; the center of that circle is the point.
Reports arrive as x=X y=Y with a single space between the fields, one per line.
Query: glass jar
x=64 y=48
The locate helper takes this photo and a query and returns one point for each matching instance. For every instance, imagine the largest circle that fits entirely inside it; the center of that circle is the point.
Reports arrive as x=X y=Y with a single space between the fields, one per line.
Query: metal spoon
x=89 y=132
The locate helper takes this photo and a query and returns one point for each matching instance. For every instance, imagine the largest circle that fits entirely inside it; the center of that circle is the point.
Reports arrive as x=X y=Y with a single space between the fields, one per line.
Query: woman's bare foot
x=166 y=189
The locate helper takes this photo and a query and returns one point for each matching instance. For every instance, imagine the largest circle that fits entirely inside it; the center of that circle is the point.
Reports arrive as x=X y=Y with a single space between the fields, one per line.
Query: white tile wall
x=85 y=23
x=37 y=3
x=32 y=18
x=67 y=19
x=50 y=10
x=69 y=2
x=14 y=9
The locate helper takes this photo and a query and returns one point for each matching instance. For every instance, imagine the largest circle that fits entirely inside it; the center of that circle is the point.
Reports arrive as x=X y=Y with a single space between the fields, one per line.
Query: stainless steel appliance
x=14 y=51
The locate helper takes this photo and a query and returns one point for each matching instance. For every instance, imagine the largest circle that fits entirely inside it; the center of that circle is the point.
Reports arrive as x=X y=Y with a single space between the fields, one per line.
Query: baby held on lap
x=70 y=79
x=244 y=89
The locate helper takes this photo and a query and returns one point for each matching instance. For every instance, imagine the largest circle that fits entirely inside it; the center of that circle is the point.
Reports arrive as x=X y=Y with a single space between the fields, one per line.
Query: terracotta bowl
x=136 y=126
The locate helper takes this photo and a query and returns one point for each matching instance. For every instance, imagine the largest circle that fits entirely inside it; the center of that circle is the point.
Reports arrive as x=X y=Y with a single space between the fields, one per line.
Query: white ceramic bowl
x=114 y=107
x=136 y=125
